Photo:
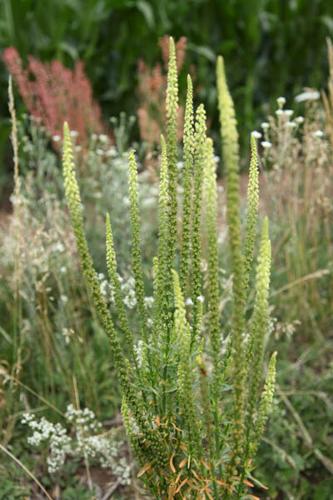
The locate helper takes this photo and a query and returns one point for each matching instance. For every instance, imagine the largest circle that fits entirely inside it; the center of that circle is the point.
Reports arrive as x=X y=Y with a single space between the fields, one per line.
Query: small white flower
x=103 y=138
x=58 y=247
x=189 y=301
x=74 y=133
x=308 y=95
x=111 y=152
x=318 y=133
x=256 y=134
x=138 y=349
x=56 y=138
x=288 y=112
x=149 y=301
x=299 y=119
x=201 y=299
x=266 y=144
x=281 y=101
x=68 y=333
x=279 y=112
x=26 y=418
x=100 y=151
x=265 y=125
x=104 y=287
x=290 y=124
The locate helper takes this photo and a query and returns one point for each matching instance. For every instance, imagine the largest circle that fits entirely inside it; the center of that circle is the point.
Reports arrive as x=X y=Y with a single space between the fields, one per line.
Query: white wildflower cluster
x=68 y=334
x=150 y=322
x=149 y=302
x=282 y=329
x=106 y=288
x=92 y=444
x=284 y=121
x=107 y=452
x=127 y=286
x=55 y=435
x=128 y=289
x=84 y=421
x=101 y=146
x=85 y=441
x=138 y=349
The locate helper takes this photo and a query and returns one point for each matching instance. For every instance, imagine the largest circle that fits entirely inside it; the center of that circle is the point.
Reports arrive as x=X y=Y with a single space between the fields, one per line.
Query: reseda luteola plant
x=193 y=401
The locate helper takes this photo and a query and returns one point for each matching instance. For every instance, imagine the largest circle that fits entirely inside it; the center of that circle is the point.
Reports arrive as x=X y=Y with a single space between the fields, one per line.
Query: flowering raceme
x=151 y=90
x=54 y=94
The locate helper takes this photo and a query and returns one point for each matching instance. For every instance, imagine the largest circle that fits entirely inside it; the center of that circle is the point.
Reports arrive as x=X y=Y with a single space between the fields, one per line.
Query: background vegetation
x=271 y=47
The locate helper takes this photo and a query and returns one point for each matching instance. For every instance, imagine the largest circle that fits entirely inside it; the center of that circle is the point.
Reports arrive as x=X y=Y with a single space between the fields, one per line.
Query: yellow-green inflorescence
x=252 y=213
x=230 y=150
x=171 y=142
x=188 y=148
x=187 y=431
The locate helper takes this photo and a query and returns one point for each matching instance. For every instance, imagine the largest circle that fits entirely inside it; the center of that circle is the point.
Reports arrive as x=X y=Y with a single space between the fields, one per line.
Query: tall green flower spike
x=136 y=242
x=259 y=321
x=213 y=295
x=164 y=268
x=252 y=212
x=186 y=397
x=164 y=299
x=171 y=128
x=210 y=189
x=265 y=408
x=111 y=262
x=189 y=147
x=230 y=152
x=189 y=434
x=200 y=153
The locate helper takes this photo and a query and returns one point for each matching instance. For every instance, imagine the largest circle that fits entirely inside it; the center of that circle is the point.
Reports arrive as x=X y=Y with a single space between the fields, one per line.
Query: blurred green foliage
x=271 y=47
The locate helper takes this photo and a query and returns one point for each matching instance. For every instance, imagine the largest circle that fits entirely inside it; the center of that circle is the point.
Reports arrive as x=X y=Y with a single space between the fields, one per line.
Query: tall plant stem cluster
x=194 y=402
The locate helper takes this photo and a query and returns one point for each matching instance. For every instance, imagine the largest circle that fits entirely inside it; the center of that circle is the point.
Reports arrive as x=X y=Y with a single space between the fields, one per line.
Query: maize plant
x=194 y=402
